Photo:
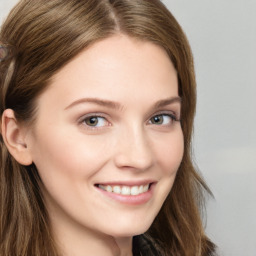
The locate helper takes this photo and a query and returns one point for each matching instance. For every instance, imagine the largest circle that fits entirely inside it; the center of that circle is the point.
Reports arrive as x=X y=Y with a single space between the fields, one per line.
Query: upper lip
x=126 y=183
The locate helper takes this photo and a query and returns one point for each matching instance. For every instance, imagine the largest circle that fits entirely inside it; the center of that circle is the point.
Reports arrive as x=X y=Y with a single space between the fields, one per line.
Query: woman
x=97 y=105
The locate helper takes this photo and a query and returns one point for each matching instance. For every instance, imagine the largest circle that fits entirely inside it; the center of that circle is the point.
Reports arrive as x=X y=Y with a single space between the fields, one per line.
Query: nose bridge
x=134 y=149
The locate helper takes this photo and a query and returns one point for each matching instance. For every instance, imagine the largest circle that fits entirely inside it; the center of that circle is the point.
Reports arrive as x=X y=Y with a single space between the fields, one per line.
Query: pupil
x=92 y=121
x=157 y=119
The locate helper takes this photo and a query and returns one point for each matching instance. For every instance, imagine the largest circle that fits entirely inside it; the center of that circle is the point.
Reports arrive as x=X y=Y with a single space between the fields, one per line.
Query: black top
x=143 y=246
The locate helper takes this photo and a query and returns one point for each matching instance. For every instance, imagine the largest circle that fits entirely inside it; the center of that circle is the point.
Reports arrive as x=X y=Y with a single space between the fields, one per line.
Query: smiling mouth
x=125 y=190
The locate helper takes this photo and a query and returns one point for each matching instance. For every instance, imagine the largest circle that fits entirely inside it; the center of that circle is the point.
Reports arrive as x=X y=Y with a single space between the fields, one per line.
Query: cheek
x=67 y=165
x=62 y=156
x=170 y=153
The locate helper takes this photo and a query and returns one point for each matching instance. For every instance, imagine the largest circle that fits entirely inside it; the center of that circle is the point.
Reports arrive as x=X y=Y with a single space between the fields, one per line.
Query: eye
x=162 y=119
x=95 y=121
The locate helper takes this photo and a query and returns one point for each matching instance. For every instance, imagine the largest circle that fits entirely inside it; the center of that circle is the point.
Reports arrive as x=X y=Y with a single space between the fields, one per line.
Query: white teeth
x=102 y=187
x=145 y=188
x=126 y=190
x=135 y=191
x=109 y=188
x=141 y=189
x=117 y=189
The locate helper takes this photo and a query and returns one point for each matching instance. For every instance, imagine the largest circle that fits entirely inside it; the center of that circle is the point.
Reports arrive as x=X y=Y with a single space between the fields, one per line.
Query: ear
x=14 y=137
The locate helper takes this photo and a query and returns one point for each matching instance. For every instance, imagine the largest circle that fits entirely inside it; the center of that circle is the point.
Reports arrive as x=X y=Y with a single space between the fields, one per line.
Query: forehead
x=117 y=67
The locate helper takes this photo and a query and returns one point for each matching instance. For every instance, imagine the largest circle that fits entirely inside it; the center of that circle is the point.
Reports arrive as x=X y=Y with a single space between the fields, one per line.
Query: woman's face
x=107 y=141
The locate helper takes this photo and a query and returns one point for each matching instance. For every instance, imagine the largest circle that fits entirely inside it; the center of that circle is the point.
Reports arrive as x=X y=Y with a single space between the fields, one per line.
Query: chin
x=129 y=230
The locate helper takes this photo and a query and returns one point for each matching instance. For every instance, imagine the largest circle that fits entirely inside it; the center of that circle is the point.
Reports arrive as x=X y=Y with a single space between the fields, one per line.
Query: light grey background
x=222 y=34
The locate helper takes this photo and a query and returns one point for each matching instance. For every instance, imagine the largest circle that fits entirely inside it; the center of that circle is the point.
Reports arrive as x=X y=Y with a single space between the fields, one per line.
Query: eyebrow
x=101 y=102
x=117 y=106
x=168 y=101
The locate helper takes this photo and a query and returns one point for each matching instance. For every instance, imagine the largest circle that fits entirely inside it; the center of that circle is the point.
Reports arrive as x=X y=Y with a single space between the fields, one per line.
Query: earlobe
x=14 y=137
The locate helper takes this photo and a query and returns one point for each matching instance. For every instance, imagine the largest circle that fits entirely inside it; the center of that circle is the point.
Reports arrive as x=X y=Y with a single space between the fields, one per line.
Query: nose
x=134 y=150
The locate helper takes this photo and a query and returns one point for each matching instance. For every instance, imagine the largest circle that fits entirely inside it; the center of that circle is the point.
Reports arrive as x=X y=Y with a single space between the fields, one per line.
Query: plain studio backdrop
x=222 y=34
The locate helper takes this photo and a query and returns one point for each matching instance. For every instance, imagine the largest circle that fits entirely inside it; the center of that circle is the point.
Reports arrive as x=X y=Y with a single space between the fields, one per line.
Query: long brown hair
x=43 y=36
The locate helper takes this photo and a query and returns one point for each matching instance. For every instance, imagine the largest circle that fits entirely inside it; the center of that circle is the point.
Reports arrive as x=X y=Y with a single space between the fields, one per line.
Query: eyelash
x=172 y=116
x=91 y=116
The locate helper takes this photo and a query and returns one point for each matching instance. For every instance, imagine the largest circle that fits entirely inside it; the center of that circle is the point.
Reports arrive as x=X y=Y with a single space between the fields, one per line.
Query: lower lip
x=131 y=200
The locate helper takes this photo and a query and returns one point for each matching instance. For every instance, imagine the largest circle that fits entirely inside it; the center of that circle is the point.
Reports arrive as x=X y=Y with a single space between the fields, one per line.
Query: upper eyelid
x=166 y=112
x=162 y=112
x=83 y=117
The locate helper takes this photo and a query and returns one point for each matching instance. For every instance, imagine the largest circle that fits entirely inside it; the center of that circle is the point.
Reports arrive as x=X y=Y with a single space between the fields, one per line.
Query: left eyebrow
x=168 y=101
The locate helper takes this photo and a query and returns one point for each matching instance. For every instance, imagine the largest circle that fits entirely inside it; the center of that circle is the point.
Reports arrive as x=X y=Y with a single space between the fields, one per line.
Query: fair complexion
x=107 y=143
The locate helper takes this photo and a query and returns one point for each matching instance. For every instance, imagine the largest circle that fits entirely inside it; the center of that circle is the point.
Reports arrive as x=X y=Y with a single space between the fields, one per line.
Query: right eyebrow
x=101 y=102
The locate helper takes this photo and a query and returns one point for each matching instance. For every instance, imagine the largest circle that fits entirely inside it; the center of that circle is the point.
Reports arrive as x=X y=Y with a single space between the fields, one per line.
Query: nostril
x=133 y=160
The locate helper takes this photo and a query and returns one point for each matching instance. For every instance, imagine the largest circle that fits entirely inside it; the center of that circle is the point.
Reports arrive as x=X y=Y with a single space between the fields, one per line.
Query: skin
x=72 y=154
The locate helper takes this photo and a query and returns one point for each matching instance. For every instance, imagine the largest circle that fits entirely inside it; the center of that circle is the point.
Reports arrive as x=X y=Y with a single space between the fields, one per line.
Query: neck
x=125 y=246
